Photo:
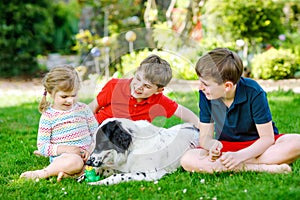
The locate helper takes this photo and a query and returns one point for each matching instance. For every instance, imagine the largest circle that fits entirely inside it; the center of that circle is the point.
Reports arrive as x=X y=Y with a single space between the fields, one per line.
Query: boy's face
x=211 y=89
x=142 y=88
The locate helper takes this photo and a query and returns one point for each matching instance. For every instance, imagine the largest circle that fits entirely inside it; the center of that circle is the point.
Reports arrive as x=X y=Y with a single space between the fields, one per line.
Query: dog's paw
x=80 y=178
x=98 y=183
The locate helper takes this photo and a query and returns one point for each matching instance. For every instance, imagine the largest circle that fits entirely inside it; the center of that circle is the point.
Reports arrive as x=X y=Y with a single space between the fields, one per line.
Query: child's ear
x=159 y=90
x=228 y=85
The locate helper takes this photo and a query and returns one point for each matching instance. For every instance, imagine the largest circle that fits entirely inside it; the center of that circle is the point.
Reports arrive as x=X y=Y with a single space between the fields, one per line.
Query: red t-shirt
x=115 y=100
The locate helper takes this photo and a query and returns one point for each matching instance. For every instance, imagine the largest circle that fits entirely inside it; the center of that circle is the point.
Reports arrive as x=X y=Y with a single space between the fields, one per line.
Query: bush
x=24 y=32
x=29 y=28
x=275 y=64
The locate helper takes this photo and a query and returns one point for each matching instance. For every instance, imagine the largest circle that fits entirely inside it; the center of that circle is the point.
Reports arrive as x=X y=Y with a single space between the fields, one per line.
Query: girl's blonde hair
x=61 y=78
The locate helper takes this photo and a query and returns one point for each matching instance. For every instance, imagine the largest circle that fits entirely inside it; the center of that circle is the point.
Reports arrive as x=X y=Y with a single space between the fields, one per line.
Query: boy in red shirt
x=141 y=97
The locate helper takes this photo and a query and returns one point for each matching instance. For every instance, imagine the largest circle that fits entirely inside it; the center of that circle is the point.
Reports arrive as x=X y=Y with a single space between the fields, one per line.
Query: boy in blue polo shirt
x=237 y=131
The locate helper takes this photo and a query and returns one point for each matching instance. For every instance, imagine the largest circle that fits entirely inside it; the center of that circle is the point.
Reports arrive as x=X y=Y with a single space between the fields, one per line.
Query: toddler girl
x=66 y=126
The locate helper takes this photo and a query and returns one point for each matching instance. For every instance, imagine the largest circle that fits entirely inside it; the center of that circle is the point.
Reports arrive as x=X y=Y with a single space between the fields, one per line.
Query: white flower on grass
x=159 y=188
x=184 y=191
x=65 y=193
x=63 y=189
x=200 y=198
x=37 y=180
x=202 y=181
x=245 y=190
x=155 y=182
x=214 y=198
x=98 y=197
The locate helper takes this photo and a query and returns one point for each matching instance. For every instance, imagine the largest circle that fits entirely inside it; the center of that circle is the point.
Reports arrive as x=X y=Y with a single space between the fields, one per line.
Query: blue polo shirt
x=237 y=123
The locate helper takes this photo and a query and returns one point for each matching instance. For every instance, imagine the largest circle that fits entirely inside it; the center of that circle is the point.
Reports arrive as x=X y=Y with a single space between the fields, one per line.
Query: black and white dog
x=128 y=150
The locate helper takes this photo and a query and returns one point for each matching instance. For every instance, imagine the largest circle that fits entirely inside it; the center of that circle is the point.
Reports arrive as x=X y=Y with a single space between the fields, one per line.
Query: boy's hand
x=231 y=159
x=215 y=150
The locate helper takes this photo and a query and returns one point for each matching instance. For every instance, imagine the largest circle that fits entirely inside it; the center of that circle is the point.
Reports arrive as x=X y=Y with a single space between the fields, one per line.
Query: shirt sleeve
x=91 y=121
x=169 y=105
x=44 y=145
x=260 y=108
x=105 y=95
x=205 y=108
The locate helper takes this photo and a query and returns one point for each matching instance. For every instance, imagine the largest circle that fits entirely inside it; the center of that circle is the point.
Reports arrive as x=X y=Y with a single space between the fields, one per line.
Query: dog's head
x=112 y=142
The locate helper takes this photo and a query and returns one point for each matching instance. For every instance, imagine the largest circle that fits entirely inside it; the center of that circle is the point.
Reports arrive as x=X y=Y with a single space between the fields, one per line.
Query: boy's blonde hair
x=61 y=78
x=156 y=70
x=221 y=65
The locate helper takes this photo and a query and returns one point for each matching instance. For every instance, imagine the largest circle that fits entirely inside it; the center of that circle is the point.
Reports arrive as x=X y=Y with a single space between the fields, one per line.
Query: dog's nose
x=90 y=161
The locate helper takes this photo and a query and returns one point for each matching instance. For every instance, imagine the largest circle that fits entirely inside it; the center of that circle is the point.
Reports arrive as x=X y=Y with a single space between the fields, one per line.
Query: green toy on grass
x=90 y=174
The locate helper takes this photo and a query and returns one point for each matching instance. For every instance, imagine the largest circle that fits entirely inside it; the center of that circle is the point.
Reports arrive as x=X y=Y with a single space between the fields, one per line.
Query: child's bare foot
x=282 y=168
x=36 y=152
x=35 y=174
x=62 y=175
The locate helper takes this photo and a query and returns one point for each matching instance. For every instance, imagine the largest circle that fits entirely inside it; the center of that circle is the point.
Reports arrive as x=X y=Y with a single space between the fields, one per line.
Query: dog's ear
x=117 y=135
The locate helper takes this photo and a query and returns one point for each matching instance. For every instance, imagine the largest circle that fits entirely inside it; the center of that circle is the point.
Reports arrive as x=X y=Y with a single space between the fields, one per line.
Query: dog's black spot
x=144 y=174
x=129 y=178
x=115 y=175
x=117 y=135
x=122 y=179
x=137 y=173
x=122 y=174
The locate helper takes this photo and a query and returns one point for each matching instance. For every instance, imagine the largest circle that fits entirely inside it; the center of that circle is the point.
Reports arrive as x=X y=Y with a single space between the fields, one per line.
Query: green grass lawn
x=19 y=119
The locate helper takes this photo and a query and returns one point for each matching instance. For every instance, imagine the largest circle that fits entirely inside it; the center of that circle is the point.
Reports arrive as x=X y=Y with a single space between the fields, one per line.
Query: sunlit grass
x=18 y=130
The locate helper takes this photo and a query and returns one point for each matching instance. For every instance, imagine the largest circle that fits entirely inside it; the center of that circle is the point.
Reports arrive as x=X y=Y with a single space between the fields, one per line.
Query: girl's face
x=142 y=88
x=64 y=100
x=211 y=89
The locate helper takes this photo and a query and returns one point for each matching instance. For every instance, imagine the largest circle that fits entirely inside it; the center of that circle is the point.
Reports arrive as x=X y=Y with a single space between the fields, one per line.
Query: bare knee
x=195 y=160
x=73 y=164
x=184 y=161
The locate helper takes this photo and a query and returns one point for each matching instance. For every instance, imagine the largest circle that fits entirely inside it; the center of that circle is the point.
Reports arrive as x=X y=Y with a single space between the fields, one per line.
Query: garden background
x=104 y=39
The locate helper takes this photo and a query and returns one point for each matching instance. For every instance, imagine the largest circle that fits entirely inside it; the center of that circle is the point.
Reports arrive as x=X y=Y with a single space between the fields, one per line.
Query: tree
x=25 y=30
x=254 y=22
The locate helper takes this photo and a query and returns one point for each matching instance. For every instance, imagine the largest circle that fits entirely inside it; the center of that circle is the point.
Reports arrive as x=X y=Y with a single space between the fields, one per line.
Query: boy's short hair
x=156 y=70
x=221 y=65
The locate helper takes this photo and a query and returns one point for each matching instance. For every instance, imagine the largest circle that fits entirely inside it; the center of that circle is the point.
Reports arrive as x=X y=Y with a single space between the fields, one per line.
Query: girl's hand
x=231 y=159
x=215 y=151
x=85 y=154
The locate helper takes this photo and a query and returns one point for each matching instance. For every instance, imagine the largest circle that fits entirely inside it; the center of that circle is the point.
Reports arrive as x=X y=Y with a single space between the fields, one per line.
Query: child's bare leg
x=282 y=168
x=65 y=165
x=196 y=160
x=285 y=150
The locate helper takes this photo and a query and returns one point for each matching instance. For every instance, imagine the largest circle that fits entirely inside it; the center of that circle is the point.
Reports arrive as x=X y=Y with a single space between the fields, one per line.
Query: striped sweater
x=73 y=127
